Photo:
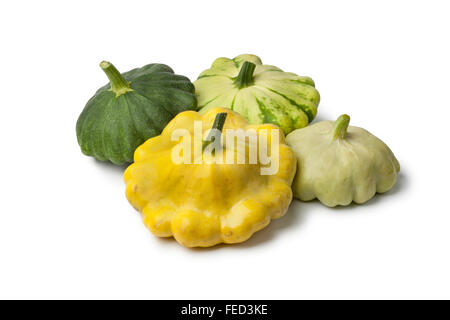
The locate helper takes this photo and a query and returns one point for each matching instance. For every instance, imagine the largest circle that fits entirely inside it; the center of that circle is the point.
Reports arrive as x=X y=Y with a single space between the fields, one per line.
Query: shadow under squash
x=293 y=218
x=109 y=167
x=297 y=213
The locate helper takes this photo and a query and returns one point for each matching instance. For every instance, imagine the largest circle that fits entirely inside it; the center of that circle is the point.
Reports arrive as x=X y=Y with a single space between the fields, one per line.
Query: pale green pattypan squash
x=338 y=163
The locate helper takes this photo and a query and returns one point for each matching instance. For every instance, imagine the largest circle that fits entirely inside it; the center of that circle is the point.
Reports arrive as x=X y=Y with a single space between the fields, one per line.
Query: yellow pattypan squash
x=208 y=201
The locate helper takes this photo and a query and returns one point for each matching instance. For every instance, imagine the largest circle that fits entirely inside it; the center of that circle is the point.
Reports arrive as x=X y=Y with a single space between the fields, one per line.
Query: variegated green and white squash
x=261 y=93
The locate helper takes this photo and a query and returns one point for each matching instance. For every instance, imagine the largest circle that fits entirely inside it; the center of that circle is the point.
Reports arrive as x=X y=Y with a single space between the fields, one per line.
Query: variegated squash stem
x=245 y=76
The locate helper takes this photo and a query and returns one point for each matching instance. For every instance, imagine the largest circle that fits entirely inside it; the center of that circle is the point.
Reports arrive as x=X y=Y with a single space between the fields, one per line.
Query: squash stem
x=245 y=76
x=218 y=124
x=340 y=127
x=118 y=84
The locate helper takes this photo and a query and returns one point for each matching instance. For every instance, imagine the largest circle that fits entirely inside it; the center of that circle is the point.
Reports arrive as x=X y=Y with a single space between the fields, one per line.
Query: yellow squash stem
x=219 y=122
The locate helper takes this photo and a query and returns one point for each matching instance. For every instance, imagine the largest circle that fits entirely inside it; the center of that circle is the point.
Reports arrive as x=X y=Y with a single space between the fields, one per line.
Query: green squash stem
x=118 y=84
x=245 y=76
x=340 y=127
x=218 y=124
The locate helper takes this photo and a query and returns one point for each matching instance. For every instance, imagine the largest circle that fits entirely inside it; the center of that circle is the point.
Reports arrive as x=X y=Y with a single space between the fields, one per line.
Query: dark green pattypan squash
x=133 y=107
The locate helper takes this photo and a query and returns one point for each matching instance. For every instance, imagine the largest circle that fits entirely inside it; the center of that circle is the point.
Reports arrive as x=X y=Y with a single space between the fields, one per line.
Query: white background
x=66 y=229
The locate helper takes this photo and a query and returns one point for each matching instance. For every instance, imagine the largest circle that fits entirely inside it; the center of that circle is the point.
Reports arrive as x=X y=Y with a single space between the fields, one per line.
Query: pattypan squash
x=207 y=201
x=260 y=93
x=338 y=163
x=133 y=107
